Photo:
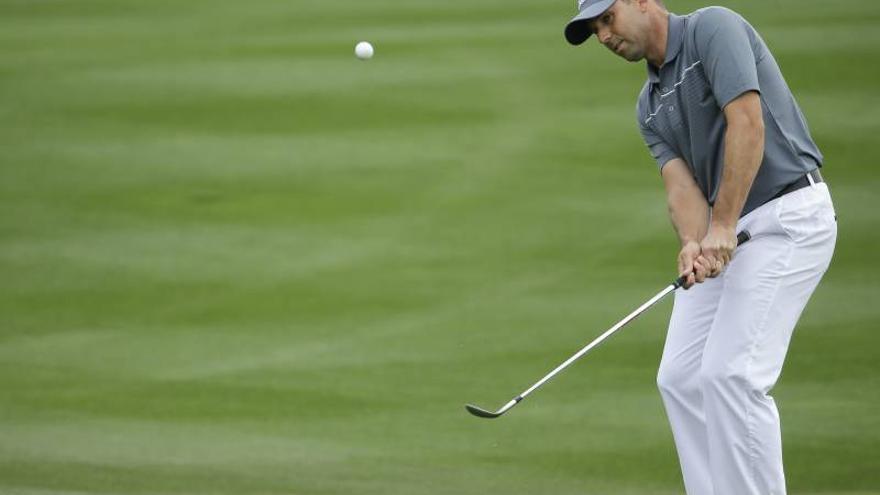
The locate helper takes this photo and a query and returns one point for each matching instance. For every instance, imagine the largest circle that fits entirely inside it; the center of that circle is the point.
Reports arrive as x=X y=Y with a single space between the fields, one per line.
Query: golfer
x=735 y=153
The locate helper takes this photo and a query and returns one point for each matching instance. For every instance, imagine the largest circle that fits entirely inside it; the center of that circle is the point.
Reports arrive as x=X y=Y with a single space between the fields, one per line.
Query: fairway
x=235 y=259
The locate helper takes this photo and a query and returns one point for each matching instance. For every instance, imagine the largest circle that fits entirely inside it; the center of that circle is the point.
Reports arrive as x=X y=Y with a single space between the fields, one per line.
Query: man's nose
x=604 y=34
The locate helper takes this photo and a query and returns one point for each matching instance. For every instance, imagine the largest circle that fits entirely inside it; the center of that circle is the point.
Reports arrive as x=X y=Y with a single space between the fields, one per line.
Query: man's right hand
x=694 y=273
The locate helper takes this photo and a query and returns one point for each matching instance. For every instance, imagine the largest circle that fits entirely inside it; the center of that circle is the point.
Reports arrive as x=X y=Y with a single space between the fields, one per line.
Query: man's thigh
x=692 y=315
x=768 y=284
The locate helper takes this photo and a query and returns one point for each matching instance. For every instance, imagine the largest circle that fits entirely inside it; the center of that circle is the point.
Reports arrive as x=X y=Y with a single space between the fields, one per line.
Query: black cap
x=578 y=29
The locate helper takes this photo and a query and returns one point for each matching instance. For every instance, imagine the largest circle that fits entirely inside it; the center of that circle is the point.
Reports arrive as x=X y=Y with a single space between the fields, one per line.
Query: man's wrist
x=722 y=224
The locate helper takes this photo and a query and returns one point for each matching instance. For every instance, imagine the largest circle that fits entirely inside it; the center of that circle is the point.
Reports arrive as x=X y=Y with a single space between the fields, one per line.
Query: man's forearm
x=688 y=208
x=743 y=153
x=689 y=213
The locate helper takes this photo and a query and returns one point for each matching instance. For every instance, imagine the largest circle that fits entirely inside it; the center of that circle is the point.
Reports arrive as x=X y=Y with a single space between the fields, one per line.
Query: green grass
x=236 y=260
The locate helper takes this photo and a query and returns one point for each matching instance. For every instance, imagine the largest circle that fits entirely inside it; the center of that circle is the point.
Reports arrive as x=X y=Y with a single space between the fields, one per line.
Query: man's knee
x=722 y=378
x=675 y=379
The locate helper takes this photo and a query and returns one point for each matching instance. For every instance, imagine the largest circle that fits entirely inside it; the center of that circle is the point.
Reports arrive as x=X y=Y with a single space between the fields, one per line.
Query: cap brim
x=578 y=29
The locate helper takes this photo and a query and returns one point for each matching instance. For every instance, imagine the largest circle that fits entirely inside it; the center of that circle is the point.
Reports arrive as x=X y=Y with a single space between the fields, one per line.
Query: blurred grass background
x=236 y=260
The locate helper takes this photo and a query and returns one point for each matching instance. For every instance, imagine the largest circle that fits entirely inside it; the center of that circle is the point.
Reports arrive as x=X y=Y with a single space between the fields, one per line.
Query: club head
x=480 y=412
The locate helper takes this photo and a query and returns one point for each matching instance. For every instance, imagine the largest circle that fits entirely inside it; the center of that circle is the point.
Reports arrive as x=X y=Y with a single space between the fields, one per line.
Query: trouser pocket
x=807 y=213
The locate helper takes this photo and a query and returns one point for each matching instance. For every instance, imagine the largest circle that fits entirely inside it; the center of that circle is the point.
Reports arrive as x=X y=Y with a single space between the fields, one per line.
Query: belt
x=811 y=177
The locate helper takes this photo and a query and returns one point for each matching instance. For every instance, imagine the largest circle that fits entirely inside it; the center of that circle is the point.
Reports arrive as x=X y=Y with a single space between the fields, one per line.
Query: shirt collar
x=674 y=40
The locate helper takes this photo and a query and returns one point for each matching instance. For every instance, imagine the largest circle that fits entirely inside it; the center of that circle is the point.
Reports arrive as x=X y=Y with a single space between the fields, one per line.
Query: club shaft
x=741 y=238
x=630 y=317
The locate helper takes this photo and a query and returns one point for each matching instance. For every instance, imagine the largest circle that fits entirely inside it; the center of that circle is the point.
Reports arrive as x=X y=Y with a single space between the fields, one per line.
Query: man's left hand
x=717 y=249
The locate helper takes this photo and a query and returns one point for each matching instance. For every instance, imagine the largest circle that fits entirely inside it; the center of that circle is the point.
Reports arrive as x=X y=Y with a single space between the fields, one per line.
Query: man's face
x=623 y=29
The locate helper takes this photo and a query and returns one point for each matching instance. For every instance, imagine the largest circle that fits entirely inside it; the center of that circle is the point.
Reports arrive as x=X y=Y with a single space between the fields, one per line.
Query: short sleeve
x=660 y=150
x=725 y=47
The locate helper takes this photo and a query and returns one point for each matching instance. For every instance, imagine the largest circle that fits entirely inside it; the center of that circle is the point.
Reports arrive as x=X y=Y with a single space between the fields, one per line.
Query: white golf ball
x=363 y=50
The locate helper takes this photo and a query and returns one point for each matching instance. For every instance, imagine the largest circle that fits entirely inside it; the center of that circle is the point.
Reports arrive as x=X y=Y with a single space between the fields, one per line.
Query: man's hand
x=716 y=250
x=689 y=253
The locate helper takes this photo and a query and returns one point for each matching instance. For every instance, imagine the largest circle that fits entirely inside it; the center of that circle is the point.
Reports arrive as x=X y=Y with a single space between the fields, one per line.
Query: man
x=735 y=154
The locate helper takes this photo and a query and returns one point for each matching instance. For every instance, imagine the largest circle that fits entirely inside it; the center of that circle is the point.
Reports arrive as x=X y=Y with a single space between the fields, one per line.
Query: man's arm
x=689 y=213
x=743 y=153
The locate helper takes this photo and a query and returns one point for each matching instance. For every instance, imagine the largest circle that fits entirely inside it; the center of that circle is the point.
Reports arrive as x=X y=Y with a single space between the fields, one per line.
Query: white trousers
x=727 y=341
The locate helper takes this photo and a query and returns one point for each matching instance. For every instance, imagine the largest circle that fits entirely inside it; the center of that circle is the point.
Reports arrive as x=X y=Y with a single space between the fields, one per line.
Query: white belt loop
x=810 y=179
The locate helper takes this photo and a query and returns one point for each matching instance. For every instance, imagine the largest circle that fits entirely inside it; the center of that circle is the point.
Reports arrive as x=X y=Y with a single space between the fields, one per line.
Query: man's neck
x=656 y=54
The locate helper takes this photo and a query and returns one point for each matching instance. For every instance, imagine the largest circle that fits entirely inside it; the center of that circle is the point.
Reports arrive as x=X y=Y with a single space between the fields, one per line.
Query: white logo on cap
x=581 y=3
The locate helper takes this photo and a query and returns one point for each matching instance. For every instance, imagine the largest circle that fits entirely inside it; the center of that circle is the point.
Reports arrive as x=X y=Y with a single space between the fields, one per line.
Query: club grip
x=741 y=238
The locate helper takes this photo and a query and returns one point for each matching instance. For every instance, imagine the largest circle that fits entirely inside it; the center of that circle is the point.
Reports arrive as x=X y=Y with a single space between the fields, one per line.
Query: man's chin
x=632 y=57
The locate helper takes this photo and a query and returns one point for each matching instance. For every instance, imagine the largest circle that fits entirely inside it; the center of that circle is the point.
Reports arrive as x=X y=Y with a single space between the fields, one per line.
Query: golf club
x=741 y=238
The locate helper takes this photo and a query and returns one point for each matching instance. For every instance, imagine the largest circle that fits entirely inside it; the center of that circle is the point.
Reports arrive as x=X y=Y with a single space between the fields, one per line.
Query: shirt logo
x=668 y=92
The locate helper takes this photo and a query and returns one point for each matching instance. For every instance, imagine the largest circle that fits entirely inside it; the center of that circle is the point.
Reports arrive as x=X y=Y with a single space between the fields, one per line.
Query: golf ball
x=363 y=50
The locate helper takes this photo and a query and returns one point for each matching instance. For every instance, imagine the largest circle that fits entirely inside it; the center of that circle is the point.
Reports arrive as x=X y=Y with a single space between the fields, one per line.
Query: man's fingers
x=701 y=269
x=703 y=263
x=712 y=267
x=685 y=269
x=688 y=281
x=686 y=263
x=716 y=252
x=716 y=269
x=724 y=257
x=715 y=262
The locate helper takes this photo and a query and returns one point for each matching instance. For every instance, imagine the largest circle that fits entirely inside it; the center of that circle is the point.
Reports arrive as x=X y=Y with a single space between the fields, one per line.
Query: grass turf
x=235 y=259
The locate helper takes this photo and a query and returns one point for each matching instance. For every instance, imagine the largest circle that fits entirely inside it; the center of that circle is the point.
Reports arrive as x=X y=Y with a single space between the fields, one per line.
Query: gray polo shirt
x=712 y=56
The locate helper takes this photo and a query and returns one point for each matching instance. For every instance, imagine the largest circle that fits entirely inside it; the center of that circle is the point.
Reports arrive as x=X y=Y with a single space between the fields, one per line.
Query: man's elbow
x=746 y=117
